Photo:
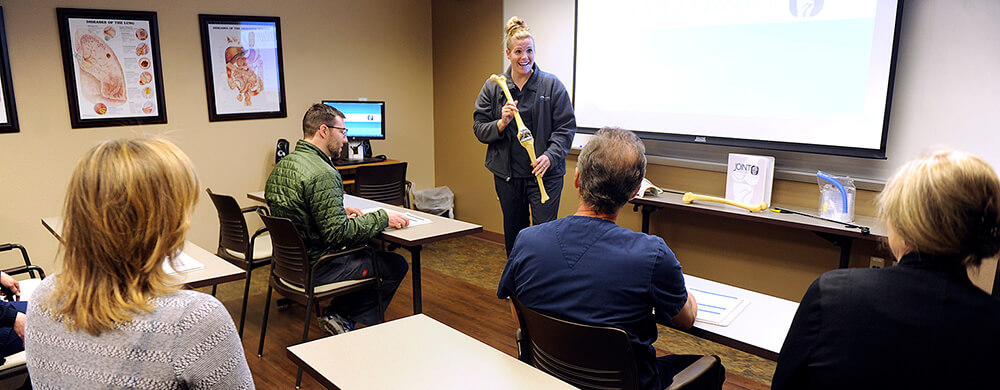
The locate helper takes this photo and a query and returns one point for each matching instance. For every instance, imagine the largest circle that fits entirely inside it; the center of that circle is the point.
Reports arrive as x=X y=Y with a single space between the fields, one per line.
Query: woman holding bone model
x=921 y=324
x=545 y=109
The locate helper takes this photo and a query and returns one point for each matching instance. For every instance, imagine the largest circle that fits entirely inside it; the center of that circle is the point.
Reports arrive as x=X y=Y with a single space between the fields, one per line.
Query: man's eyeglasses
x=343 y=130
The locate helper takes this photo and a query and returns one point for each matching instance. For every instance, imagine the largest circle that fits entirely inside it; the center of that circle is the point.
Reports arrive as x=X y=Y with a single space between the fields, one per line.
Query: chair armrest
x=258 y=209
x=11 y=246
x=522 y=348
x=330 y=256
x=408 y=195
x=692 y=372
x=257 y=233
x=24 y=268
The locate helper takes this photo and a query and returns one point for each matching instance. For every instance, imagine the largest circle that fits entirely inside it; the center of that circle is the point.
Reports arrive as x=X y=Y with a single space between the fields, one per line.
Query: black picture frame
x=8 y=123
x=244 y=72
x=111 y=60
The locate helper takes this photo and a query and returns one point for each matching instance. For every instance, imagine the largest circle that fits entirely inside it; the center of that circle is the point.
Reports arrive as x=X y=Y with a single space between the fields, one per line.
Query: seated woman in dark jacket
x=921 y=324
x=12 y=319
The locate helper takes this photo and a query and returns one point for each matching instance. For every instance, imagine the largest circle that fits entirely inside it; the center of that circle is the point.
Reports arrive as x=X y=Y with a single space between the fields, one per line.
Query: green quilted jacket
x=306 y=188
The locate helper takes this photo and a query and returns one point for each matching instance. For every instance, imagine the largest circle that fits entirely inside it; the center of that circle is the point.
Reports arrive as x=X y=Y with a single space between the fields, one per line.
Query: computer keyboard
x=365 y=160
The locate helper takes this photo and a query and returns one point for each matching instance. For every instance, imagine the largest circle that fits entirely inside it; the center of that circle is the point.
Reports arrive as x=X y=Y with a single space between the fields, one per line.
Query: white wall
x=947 y=86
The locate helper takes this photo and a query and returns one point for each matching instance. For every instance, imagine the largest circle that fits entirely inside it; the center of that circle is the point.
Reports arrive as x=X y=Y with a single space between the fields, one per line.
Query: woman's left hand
x=10 y=283
x=540 y=165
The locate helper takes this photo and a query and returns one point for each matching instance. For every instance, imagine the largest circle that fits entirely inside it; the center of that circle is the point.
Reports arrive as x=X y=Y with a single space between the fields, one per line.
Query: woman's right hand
x=507 y=115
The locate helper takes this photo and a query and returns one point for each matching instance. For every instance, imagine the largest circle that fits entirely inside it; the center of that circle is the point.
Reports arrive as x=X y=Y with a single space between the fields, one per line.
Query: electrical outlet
x=876 y=262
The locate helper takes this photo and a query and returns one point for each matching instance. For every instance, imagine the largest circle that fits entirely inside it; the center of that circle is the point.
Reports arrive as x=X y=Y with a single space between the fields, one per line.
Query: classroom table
x=412 y=238
x=761 y=327
x=216 y=269
x=415 y=352
x=836 y=233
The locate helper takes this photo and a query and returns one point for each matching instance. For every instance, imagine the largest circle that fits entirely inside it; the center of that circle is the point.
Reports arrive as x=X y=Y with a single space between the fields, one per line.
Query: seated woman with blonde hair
x=921 y=324
x=113 y=318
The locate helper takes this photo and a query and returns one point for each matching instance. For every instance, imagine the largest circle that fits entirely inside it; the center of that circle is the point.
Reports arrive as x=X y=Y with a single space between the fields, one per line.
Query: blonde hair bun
x=515 y=24
x=515 y=29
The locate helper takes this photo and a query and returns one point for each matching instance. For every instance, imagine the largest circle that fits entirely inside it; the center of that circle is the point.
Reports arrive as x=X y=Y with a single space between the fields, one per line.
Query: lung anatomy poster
x=112 y=67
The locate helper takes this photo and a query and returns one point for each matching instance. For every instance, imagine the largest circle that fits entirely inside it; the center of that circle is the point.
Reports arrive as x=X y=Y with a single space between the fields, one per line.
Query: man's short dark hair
x=317 y=115
x=612 y=166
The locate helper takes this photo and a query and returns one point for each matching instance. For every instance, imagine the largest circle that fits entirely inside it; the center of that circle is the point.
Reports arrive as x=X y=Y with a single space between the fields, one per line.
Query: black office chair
x=236 y=245
x=383 y=183
x=292 y=276
x=15 y=365
x=585 y=356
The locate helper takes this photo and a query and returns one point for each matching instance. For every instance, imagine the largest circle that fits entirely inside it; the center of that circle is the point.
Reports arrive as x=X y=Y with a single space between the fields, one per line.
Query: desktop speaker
x=281 y=151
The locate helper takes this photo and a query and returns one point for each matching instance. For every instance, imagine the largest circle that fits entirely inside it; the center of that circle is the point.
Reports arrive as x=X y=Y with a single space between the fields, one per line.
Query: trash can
x=437 y=201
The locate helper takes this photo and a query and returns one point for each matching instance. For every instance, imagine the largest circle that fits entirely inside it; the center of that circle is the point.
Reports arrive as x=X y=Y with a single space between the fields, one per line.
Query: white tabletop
x=415 y=352
x=216 y=269
x=440 y=228
x=763 y=324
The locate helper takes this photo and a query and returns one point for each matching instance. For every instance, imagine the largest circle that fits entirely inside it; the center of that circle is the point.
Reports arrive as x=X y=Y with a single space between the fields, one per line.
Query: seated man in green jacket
x=306 y=188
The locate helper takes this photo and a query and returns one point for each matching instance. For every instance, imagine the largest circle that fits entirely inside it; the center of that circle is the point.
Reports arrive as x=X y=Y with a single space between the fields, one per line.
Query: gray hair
x=612 y=166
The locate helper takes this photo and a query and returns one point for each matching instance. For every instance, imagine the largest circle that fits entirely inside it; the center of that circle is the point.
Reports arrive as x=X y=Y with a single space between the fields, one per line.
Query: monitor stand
x=358 y=150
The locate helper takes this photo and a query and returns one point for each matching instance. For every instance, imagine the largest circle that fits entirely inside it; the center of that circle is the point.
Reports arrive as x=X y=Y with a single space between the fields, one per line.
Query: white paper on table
x=183 y=262
x=717 y=308
x=414 y=220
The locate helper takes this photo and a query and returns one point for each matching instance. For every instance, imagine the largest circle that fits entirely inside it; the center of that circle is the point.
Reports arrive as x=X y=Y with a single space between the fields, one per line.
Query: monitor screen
x=363 y=119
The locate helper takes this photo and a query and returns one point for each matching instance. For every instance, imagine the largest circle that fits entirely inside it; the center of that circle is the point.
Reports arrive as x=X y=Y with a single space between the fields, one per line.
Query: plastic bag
x=836 y=197
x=437 y=200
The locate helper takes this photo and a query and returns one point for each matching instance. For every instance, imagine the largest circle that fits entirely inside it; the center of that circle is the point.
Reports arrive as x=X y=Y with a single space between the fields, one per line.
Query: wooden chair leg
x=263 y=324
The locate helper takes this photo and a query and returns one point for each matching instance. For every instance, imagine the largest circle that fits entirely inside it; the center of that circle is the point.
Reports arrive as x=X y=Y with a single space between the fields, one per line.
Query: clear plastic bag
x=437 y=200
x=836 y=197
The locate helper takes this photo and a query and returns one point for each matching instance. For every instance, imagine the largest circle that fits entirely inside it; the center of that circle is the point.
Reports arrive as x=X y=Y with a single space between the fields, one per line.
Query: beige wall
x=766 y=258
x=332 y=49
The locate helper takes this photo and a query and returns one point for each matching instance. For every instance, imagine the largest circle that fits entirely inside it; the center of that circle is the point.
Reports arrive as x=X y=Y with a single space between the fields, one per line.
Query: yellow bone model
x=523 y=134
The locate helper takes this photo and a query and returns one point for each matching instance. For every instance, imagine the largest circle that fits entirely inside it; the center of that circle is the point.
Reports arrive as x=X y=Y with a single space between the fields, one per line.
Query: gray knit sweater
x=188 y=341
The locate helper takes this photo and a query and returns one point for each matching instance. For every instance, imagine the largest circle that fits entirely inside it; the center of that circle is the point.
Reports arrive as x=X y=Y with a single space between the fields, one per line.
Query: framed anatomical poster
x=8 y=112
x=243 y=70
x=112 y=65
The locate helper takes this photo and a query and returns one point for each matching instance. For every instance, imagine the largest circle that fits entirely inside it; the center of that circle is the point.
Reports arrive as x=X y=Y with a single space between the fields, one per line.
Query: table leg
x=415 y=275
x=646 y=211
x=844 y=243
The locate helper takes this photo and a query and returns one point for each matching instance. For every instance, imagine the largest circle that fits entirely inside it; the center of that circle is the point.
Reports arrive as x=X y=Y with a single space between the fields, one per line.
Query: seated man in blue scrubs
x=585 y=268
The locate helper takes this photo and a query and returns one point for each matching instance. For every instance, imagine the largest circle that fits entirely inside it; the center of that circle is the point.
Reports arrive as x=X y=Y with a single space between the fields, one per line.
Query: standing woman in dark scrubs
x=546 y=110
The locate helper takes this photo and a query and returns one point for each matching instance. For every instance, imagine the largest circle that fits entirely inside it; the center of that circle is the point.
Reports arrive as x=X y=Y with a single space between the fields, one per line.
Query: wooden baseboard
x=486 y=235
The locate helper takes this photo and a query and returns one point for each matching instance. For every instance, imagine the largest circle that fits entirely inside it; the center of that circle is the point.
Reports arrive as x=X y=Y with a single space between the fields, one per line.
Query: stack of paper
x=717 y=308
x=183 y=263
x=414 y=220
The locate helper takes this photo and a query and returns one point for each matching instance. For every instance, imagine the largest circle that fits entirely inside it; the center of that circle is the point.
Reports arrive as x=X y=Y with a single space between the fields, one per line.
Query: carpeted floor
x=481 y=262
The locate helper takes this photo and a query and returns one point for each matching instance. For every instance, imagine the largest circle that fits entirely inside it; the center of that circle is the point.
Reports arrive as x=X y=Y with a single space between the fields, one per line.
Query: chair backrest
x=585 y=356
x=233 y=232
x=382 y=183
x=288 y=252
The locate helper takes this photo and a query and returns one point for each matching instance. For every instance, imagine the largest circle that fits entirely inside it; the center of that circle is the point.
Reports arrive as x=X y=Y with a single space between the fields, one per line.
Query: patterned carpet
x=481 y=262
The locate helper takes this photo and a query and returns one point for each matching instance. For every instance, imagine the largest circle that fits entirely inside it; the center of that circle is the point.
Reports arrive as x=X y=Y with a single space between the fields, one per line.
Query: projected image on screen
x=787 y=74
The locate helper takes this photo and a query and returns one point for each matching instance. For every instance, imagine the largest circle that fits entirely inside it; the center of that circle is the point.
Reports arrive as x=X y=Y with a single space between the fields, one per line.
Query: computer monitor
x=364 y=120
